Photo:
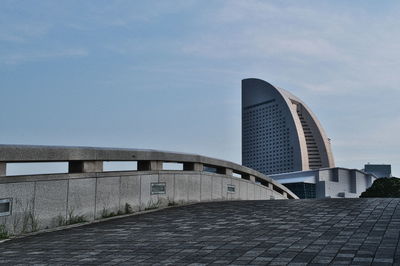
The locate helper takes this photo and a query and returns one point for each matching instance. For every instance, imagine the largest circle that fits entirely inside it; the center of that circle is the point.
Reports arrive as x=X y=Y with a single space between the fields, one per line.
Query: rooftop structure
x=380 y=170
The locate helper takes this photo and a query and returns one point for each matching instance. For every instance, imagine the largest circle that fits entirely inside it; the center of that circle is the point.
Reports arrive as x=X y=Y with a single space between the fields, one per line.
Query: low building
x=380 y=170
x=327 y=182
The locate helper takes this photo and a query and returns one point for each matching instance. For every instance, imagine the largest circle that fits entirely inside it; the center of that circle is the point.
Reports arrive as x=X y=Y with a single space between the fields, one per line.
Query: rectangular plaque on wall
x=231 y=188
x=158 y=188
x=5 y=207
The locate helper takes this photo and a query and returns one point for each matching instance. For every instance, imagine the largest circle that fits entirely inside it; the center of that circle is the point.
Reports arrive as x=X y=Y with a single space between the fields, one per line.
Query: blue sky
x=167 y=74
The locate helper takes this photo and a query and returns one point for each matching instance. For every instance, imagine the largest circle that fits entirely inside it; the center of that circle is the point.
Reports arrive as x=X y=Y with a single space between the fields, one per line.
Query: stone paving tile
x=281 y=232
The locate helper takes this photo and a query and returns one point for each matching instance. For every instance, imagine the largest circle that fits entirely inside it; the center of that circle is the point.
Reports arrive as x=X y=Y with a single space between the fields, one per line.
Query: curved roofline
x=321 y=130
x=299 y=129
x=297 y=124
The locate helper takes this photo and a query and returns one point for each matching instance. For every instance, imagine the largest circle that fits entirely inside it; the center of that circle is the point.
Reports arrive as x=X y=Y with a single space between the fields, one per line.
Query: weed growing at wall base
x=3 y=232
x=30 y=222
x=72 y=219
x=106 y=214
x=127 y=210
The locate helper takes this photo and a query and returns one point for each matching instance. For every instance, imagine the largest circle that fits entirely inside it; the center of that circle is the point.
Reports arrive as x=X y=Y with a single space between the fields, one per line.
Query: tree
x=383 y=188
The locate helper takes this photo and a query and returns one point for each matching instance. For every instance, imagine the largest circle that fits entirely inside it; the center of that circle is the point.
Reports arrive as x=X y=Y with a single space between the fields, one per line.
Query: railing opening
x=245 y=176
x=262 y=182
x=210 y=169
x=278 y=189
x=237 y=175
x=173 y=166
x=36 y=168
x=213 y=169
x=119 y=166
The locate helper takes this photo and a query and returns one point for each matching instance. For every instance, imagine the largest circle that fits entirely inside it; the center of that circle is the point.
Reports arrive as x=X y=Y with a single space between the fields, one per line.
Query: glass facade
x=266 y=143
x=302 y=190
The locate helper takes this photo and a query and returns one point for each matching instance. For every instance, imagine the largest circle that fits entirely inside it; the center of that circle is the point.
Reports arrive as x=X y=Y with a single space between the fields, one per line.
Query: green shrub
x=383 y=188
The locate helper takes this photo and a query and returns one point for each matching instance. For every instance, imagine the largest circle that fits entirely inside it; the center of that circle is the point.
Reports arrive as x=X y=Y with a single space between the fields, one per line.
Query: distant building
x=380 y=170
x=282 y=138
x=327 y=182
x=280 y=133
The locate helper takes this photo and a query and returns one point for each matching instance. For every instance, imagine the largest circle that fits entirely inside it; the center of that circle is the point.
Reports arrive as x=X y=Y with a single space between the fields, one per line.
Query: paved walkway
x=281 y=232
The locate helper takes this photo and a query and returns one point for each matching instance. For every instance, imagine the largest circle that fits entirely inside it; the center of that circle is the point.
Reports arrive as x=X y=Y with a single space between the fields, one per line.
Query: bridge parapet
x=90 y=160
x=88 y=191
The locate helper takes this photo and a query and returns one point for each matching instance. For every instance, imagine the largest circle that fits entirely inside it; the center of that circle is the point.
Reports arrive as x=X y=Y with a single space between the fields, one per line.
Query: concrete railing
x=88 y=191
x=90 y=160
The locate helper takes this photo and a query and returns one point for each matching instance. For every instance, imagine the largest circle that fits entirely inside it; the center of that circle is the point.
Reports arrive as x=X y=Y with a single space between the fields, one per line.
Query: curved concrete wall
x=44 y=201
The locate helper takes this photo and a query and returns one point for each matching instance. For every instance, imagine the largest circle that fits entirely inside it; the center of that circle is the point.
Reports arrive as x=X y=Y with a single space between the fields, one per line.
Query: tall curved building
x=280 y=134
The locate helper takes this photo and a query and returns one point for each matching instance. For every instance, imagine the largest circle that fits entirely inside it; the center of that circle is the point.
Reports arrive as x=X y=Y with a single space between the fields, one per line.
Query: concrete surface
x=281 y=232
x=107 y=195
x=130 y=191
x=82 y=197
x=3 y=169
x=23 y=196
x=50 y=202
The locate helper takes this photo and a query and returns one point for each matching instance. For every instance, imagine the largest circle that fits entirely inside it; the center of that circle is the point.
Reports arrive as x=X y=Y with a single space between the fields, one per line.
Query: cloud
x=347 y=47
x=256 y=44
x=262 y=29
x=124 y=14
x=33 y=56
x=22 y=32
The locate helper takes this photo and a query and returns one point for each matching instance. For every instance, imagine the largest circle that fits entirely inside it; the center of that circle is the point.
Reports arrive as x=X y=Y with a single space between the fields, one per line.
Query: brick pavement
x=280 y=232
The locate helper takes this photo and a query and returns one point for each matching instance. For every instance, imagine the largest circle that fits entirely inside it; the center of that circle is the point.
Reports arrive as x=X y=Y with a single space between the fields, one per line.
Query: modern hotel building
x=281 y=137
x=279 y=132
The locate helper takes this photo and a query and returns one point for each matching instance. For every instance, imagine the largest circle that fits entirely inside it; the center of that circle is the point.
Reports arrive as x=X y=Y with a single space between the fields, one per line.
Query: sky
x=167 y=74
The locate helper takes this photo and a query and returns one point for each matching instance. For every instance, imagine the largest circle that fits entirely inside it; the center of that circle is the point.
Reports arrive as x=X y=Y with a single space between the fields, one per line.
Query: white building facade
x=327 y=182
